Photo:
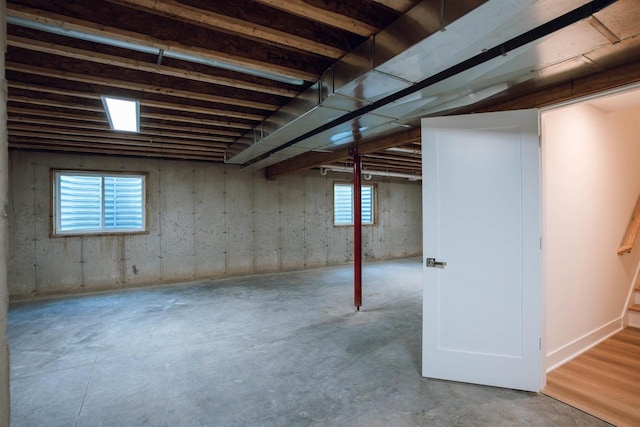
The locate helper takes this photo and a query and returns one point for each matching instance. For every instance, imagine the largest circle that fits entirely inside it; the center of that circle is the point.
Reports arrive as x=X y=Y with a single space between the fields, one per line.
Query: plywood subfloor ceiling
x=202 y=70
x=189 y=110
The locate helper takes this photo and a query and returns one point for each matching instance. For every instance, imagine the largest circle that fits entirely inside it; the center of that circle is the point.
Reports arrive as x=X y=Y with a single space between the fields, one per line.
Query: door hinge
x=540 y=344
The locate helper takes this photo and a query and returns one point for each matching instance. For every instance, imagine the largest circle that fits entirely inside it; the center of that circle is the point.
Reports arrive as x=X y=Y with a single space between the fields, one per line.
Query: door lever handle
x=431 y=262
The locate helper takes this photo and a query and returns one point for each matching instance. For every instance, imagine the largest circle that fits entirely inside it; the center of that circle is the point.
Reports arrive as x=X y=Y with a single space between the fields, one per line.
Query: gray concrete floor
x=273 y=350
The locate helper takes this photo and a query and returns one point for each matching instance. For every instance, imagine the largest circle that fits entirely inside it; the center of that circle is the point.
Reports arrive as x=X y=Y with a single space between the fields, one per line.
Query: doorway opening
x=590 y=184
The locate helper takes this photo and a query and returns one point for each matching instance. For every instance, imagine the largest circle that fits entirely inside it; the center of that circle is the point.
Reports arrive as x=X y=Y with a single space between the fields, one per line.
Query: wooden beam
x=122 y=143
x=313 y=159
x=118 y=61
x=168 y=117
x=189 y=129
x=398 y=5
x=53 y=103
x=195 y=120
x=18 y=121
x=54 y=128
x=41 y=100
x=78 y=148
x=58 y=114
x=407 y=162
x=577 y=88
x=202 y=110
x=108 y=31
x=136 y=86
x=327 y=17
x=216 y=21
x=143 y=102
x=190 y=133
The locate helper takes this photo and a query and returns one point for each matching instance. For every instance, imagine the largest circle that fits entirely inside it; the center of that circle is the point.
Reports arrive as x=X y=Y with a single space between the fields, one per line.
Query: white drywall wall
x=205 y=220
x=591 y=180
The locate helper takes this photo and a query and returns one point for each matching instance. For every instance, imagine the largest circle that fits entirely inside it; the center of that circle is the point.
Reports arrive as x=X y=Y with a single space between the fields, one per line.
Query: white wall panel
x=591 y=181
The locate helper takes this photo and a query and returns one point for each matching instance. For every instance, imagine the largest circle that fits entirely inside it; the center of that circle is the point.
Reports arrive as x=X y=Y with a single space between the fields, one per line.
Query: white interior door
x=481 y=214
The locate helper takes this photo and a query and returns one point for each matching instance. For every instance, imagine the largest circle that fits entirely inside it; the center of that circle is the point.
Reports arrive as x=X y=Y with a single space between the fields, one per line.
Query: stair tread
x=635 y=307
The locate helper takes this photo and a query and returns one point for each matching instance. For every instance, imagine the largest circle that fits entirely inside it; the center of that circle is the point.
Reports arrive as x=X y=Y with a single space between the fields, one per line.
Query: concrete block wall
x=205 y=221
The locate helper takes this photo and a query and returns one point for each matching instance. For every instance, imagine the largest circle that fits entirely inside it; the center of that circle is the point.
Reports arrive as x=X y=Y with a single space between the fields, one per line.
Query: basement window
x=86 y=202
x=343 y=204
x=123 y=114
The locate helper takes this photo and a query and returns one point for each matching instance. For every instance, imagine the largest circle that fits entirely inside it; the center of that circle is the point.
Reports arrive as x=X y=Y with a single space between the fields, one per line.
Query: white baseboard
x=576 y=347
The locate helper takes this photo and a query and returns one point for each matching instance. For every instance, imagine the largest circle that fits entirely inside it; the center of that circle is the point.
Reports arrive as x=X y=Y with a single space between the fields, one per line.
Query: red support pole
x=357 y=230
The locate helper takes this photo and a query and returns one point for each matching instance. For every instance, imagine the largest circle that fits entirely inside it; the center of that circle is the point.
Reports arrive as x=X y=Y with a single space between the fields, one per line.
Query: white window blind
x=123 y=202
x=343 y=204
x=88 y=203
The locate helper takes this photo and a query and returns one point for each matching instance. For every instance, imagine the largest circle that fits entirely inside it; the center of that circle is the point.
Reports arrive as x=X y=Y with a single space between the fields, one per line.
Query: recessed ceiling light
x=123 y=114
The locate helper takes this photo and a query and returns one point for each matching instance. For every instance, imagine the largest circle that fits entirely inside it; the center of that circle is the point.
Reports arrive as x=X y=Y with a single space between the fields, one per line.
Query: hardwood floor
x=604 y=381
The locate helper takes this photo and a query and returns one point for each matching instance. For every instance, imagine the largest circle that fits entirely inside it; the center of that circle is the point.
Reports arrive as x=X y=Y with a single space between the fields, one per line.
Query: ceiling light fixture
x=123 y=114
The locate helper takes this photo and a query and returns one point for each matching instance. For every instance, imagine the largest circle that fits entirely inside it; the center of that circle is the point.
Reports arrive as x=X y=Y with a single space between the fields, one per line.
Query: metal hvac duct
x=434 y=36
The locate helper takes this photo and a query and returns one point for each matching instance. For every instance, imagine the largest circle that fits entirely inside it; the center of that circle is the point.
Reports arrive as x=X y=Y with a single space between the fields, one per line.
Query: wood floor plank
x=604 y=381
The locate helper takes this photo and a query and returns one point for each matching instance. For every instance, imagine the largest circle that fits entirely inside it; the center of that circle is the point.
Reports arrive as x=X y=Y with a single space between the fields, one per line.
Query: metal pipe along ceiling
x=328 y=168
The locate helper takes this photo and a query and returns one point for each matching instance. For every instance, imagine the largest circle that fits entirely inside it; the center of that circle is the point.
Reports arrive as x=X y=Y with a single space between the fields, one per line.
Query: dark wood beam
x=133 y=64
x=577 y=88
x=313 y=159
x=131 y=84
x=59 y=129
x=108 y=149
x=73 y=99
x=209 y=19
x=400 y=6
x=126 y=24
x=336 y=14
x=122 y=143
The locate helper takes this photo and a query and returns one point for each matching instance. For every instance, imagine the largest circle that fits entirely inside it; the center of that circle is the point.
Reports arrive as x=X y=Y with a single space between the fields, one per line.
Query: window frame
x=374 y=203
x=54 y=213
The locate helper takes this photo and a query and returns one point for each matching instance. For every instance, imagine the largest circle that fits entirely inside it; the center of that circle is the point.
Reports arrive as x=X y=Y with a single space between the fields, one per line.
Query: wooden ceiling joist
x=323 y=15
x=73 y=132
x=57 y=115
x=56 y=139
x=113 y=150
x=186 y=134
x=217 y=21
x=135 y=86
x=119 y=61
x=53 y=103
x=91 y=25
x=198 y=69
x=37 y=95
x=166 y=117
x=400 y=6
x=314 y=159
x=190 y=130
x=190 y=119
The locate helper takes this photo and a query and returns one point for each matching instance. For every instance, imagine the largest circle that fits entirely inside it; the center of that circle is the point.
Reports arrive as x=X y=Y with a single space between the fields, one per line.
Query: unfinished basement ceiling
x=241 y=81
